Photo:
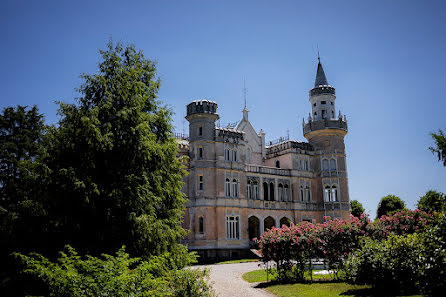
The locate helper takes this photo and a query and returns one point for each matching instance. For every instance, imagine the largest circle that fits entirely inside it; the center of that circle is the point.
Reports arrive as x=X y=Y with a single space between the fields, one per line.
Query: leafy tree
x=390 y=204
x=356 y=208
x=432 y=201
x=114 y=176
x=440 y=149
x=23 y=217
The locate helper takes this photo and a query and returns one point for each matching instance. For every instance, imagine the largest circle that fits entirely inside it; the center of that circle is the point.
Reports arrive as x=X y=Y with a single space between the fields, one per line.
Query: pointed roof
x=321 y=79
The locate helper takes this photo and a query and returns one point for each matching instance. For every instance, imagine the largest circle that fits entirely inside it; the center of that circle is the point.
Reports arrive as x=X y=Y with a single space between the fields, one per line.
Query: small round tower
x=202 y=115
x=324 y=129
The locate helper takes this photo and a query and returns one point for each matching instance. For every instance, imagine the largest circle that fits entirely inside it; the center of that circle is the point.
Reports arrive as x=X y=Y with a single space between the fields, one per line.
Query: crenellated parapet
x=340 y=123
x=202 y=106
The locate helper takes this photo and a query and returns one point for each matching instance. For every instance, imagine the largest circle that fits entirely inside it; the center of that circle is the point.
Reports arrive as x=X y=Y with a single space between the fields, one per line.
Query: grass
x=323 y=286
x=238 y=261
x=260 y=276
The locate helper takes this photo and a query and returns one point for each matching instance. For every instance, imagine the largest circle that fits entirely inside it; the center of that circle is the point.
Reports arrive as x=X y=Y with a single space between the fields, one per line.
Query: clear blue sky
x=386 y=60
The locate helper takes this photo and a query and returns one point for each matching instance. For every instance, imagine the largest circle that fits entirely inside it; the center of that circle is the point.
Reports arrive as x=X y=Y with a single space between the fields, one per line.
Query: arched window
x=200 y=225
x=234 y=188
x=227 y=187
x=250 y=190
x=299 y=164
x=332 y=164
x=271 y=191
x=265 y=191
x=308 y=192
x=234 y=155
x=302 y=195
x=327 y=194
x=286 y=194
x=334 y=193
x=278 y=164
x=306 y=166
x=255 y=190
x=325 y=164
x=227 y=151
x=280 y=192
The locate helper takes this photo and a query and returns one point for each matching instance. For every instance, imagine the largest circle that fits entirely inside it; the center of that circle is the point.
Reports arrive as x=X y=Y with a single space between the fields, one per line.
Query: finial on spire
x=245 y=91
x=318 y=56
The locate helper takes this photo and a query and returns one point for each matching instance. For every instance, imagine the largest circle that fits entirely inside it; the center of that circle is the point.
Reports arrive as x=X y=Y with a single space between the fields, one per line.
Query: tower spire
x=321 y=79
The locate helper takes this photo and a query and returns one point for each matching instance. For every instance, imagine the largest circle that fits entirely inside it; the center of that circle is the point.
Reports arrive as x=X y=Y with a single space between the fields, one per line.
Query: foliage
x=440 y=149
x=432 y=201
x=293 y=248
x=118 y=275
x=391 y=263
x=23 y=212
x=113 y=160
x=407 y=263
x=389 y=205
x=356 y=208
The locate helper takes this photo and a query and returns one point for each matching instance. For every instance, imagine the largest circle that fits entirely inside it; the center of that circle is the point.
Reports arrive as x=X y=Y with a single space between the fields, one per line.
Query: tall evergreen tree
x=114 y=175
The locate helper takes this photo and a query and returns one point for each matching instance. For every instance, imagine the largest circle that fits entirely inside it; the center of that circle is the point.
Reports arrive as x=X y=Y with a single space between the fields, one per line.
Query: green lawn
x=260 y=276
x=238 y=261
x=322 y=287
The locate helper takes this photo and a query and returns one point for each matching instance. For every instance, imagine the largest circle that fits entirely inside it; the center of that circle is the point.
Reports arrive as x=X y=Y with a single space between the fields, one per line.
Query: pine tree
x=114 y=175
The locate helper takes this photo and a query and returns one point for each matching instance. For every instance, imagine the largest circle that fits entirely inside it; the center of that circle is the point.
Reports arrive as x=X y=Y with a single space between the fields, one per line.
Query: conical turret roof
x=321 y=79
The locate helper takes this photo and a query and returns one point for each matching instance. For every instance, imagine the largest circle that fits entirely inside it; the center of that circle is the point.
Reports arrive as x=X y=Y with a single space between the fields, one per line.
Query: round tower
x=202 y=115
x=324 y=129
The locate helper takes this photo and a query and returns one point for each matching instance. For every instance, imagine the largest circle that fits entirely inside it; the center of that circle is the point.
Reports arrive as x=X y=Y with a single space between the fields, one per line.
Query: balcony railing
x=268 y=170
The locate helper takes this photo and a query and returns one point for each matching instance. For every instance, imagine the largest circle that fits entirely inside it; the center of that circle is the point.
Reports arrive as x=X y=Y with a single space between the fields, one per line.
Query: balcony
x=268 y=170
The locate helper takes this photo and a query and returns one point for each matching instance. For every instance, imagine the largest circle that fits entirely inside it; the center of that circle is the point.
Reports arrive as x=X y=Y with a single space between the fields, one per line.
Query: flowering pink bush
x=292 y=248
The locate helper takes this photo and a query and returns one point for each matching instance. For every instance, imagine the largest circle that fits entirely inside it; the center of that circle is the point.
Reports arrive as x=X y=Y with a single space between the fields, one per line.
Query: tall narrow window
x=286 y=193
x=234 y=188
x=249 y=190
x=308 y=193
x=227 y=152
x=200 y=131
x=325 y=164
x=280 y=192
x=256 y=190
x=332 y=164
x=200 y=225
x=232 y=227
x=278 y=164
x=334 y=193
x=271 y=191
x=265 y=191
x=200 y=153
x=327 y=194
x=227 y=187
x=200 y=182
x=302 y=195
x=306 y=165
x=234 y=155
x=248 y=156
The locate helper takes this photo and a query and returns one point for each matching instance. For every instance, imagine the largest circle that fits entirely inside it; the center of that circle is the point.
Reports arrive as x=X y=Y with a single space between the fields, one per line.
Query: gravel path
x=228 y=282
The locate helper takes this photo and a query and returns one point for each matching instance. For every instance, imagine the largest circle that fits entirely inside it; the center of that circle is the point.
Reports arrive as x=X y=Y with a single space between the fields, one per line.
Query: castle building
x=239 y=186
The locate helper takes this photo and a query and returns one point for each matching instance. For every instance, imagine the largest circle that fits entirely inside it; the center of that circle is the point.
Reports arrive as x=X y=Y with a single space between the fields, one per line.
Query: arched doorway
x=285 y=221
x=253 y=228
x=269 y=223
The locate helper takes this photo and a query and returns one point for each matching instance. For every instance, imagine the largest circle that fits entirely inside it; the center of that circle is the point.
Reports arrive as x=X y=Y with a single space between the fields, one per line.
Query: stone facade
x=238 y=185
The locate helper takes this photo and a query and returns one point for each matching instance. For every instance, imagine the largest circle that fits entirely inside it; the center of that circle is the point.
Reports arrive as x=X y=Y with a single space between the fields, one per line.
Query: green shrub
x=405 y=263
x=388 y=264
x=117 y=275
